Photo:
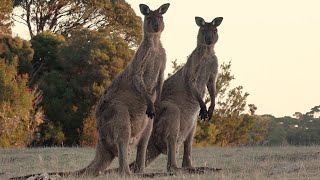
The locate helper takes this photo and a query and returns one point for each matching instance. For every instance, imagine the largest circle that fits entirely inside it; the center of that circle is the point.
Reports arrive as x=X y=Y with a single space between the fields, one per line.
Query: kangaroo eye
x=161 y=17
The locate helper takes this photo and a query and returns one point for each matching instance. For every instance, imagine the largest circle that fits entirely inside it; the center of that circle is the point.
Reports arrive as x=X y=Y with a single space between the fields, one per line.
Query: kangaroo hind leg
x=101 y=161
x=187 y=157
x=142 y=148
x=169 y=123
x=122 y=134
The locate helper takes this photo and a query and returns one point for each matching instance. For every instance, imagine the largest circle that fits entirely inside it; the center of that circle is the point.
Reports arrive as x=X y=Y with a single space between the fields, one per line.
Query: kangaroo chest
x=152 y=70
x=202 y=72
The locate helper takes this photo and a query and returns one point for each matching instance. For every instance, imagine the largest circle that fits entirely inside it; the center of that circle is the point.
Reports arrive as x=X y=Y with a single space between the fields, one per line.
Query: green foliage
x=276 y=132
x=16 y=124
x=205 y=134
x=84 y=66
x=233 y=104
x=89 y=132
x=259 y=130
x=5 y=11
x=15 y=106
x=64 y=16
x=96 y=55
x=49 y=135
x=304 y=129
x=252 y=108
x=16 y=48
x=314 y=112
x=46 y=46
x=231 y=126
x=223 y=81
x=68 y=73
x=233 y=130
x=175 y=67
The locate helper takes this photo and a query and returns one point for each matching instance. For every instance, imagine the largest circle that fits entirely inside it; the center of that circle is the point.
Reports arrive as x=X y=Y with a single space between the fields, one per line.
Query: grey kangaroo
x=182 y=100
x=125 y=111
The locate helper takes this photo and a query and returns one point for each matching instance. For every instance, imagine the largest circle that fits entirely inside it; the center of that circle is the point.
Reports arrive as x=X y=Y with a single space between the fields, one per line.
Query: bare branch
x=27 y=8
x=22 y=21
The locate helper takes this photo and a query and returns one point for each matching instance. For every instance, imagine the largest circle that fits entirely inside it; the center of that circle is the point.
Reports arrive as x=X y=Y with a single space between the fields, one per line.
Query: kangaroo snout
x=156 y=27
x=208 y=40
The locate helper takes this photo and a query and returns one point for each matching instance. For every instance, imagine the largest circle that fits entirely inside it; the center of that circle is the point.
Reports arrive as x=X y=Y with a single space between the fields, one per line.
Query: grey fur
x=182 y=99
x=123 y=110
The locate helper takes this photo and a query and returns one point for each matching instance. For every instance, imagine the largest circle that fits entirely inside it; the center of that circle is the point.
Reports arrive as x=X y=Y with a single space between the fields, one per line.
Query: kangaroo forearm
x=159 y=89
x=213 y=101
x=212 y=88
x=197 y=95
x=212 y=96
x=141 y=88
x=201 y=102
x=139 y=65
x=143 y=53
x=194 y=91
x=159 y=92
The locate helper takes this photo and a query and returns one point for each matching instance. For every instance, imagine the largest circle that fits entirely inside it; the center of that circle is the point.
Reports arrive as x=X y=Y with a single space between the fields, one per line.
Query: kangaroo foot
x=192 y=170
x=188 y=170
x=109 y=171
x=153 y=174
x=125 y=174
x=201 y=170
x=208 y=169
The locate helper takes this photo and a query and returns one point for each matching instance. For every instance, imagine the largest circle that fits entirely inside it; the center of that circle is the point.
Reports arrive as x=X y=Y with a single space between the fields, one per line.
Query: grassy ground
x=237 y=163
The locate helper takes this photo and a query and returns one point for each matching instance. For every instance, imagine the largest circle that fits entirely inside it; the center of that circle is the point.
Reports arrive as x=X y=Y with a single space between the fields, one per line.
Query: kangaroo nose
x=208 y=40
x=156 y=27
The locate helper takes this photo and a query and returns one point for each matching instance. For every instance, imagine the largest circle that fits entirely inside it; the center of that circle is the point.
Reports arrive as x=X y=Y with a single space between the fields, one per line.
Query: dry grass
x=238 y=163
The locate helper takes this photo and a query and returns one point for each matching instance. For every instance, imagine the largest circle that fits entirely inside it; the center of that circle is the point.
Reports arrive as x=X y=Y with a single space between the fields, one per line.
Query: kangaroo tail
x=102 y=160
x=43 y=175
x=152 y=153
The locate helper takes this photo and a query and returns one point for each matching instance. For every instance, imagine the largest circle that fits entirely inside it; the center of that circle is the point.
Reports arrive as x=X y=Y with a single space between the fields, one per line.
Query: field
x=287 y=162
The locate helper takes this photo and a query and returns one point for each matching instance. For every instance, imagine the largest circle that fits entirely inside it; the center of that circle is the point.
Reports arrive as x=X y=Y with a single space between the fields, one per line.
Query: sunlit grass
x=286 y=162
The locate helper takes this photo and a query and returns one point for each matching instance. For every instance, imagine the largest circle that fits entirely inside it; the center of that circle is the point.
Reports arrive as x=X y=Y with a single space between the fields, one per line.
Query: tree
x=298 y=115
x=303 y=129
x=78 y=65
x=230 y=121
x=5 y=22
x=86 y=64
x=64 y=16
x=16 y=124
x=315 y=111
x=206 y=134
x=230 y=125
x=175 y=67
x=259 y=131
x=17 y=49
x=252 y=109
x=277 y=134
x=89 y=130
x=46 y=46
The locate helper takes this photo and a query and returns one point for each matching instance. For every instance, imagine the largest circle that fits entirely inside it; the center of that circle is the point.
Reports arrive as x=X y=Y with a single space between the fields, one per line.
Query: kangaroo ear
x=200 y=21
x=163 y=8
x=144 y=9
x=217 y=21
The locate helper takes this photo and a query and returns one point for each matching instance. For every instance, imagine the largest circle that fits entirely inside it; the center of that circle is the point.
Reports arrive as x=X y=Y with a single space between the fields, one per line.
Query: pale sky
x=273 y=46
